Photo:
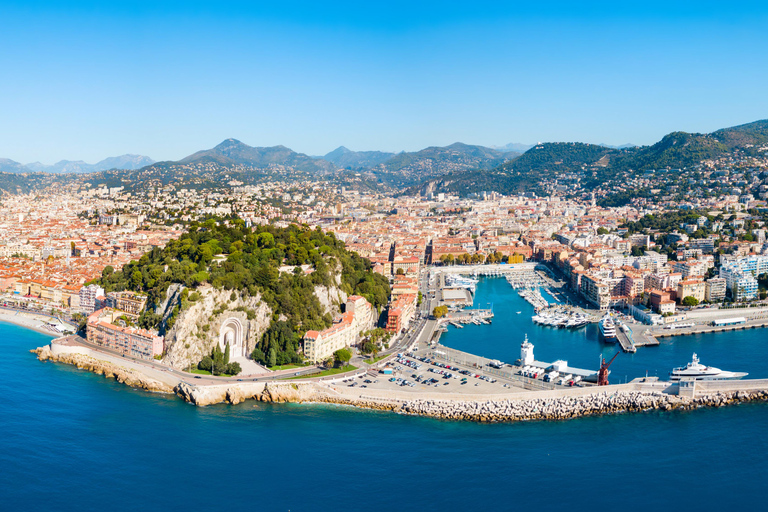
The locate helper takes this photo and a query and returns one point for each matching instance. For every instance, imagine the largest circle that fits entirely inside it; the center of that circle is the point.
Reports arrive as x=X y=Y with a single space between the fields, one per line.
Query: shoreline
x=28 y=320
x=562 y=404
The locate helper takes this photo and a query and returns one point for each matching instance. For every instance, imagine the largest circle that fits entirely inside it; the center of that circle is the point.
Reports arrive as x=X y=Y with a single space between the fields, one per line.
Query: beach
x=28 y=320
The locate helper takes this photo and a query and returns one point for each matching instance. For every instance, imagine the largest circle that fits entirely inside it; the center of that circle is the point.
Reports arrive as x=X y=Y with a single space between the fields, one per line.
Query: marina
x=581 y=347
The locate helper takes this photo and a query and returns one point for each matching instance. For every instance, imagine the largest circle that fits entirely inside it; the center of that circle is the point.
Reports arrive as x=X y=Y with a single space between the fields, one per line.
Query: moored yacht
x=697 y=371
x=608 y=329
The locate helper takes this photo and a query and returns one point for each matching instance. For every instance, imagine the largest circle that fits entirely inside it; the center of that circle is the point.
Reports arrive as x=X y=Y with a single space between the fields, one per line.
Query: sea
x=72 y=440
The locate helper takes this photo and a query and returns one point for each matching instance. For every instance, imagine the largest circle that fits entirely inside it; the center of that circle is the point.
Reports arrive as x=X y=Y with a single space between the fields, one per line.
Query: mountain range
x=600 y=164
x=394 y=169
x=129 y=162
x=459 y=168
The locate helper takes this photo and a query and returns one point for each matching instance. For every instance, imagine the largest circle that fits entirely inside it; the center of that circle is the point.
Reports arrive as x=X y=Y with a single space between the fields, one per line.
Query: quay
x=704 y=329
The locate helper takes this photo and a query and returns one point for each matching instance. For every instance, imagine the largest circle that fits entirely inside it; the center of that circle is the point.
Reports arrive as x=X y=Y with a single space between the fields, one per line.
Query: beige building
x=715 y=289
x=358 y=316
x=691 y=288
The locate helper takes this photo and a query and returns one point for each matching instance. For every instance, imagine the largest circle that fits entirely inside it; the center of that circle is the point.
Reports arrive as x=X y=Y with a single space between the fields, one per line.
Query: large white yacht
x=696 y=370
x=461 y=281
x=608 y=329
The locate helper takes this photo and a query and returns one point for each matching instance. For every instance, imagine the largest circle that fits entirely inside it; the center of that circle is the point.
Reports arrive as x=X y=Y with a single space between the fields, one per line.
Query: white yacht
x=608 y=329
x=698 y=371
x=462 y=282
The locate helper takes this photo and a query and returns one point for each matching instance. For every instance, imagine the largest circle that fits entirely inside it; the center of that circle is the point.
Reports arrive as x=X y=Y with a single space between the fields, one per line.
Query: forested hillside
x=231 y=256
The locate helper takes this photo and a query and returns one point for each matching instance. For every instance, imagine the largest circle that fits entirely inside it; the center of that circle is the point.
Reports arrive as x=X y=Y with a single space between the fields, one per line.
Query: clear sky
x=86 y=80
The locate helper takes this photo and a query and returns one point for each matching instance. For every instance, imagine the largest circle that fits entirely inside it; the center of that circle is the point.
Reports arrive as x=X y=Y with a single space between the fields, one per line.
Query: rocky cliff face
x=197 y=327
x=330 y=298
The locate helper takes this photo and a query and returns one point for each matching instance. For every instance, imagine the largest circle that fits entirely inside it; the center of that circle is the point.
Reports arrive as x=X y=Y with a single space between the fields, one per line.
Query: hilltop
x=568 y=167
x=347 y=159
x=221 y=268
x=233 y=152
x=130 y=162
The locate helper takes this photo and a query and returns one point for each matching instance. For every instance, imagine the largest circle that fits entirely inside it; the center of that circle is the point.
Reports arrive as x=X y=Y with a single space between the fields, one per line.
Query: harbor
x=583 y=347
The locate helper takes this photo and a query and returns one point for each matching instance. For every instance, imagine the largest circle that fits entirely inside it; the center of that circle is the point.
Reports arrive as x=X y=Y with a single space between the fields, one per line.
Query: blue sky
x=87 y=80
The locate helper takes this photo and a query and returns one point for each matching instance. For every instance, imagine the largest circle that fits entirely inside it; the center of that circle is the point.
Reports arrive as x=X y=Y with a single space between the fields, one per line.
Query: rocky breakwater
x=110 y=370
x=566 y=407
x=273 y=392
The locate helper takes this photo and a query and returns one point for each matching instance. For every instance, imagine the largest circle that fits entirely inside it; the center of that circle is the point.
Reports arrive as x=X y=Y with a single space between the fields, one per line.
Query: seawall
x=535 y=405
x=554 y=404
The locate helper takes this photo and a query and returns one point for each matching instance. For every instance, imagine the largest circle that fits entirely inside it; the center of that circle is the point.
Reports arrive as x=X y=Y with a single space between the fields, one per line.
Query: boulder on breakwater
x=567 y=407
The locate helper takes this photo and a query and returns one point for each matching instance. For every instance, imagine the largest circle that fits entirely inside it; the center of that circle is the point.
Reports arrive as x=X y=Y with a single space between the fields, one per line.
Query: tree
x=440 y=311
x=602 y=231
x=342 y=356
x=400 y=271
x=136 y=278
x=226 y=353
x=690 y=301
x=206 y=364
x=272 y=357
x=108 y=270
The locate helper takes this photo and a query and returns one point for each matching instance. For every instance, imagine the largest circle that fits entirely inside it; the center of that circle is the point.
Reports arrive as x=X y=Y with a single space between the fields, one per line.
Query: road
x=420 y=330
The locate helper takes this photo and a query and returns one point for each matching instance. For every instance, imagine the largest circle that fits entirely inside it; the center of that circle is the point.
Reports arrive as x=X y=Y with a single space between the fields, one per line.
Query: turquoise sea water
x=71 y=440
x=742 y=351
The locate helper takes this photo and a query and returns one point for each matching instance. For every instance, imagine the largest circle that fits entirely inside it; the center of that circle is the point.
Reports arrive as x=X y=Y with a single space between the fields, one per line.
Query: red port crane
x=602 y=375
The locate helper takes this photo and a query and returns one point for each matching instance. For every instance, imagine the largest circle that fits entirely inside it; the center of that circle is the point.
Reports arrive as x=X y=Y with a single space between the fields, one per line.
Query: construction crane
x=602 y=375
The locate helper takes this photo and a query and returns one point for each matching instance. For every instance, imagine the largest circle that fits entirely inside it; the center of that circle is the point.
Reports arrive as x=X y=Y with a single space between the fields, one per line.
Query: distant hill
x=523 y=173
x=676 y=150
x=7 y=165
x=129 y=162
x=437 y=161
x=598 y=164
x=623 y=146
x=233 y=152
x=347 y=159
x=513 y=147
x=744 y=135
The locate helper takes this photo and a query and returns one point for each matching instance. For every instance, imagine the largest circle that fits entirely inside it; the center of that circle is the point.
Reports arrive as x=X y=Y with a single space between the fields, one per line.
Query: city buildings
x=358 y=317
x=113 y=329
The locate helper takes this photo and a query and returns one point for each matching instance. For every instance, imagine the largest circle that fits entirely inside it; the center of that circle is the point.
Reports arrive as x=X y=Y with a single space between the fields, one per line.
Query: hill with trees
x=230 y=256
x=587 y=166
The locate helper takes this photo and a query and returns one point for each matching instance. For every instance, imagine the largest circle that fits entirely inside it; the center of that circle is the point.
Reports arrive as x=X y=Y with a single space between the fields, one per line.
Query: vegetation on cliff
x=231 y=256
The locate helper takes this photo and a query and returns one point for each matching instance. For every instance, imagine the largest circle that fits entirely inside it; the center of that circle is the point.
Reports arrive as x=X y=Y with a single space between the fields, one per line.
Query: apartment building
x=358 y=316
x=105 y=327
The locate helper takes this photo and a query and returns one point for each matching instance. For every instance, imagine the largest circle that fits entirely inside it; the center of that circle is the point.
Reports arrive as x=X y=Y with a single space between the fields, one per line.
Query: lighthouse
x=526 y=352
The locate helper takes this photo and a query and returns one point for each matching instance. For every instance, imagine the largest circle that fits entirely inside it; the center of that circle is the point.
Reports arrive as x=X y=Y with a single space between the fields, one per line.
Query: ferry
x=608 y=329
x=697 y=371
x=462 y=282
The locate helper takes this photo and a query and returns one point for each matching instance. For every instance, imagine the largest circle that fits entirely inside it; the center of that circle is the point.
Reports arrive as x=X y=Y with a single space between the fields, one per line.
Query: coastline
x=28 y=320
x=562 y=404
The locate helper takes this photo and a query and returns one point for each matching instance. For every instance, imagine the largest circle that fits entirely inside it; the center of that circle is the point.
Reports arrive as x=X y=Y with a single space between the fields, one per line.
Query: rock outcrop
x=197 y=328
x=121 y=374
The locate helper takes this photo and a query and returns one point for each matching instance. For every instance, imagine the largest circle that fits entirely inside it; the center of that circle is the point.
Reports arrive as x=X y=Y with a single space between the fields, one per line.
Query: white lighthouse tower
x=526 y=352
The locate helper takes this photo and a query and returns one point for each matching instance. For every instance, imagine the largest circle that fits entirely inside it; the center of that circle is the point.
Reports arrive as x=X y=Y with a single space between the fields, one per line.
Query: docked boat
x=608 y=329
x=461 y=282
x=697 y=371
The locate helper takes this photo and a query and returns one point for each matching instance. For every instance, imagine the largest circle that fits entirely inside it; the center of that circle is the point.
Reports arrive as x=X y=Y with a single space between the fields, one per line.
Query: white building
x=88 y=296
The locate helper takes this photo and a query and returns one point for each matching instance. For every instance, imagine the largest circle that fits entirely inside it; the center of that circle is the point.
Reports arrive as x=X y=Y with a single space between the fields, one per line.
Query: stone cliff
x=198 y=326
x=203 y=323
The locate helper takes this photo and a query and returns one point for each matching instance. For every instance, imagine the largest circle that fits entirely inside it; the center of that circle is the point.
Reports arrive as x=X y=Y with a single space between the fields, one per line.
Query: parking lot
x=419 y=372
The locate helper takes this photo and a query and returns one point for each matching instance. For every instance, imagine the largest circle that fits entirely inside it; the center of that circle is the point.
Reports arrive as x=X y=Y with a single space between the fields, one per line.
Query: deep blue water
x=71 y=440
x=742 y=351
